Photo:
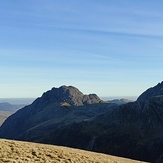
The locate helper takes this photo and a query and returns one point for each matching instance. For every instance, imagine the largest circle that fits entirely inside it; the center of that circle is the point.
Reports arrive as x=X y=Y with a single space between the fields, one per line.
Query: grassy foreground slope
x=25 y=152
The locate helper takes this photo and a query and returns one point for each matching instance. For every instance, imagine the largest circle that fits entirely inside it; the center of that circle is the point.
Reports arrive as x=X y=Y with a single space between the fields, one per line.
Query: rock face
x=151 y=92
x=57 y=107
x=70 y=95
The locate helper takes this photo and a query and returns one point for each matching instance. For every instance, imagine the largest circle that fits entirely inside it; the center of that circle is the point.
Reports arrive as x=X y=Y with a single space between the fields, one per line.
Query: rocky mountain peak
x=151 y=92
x=53 y=108
x=70 y=95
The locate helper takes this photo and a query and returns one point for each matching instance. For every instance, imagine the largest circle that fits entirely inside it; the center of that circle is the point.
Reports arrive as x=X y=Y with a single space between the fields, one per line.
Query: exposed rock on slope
x=25 y=152
x=70 y=95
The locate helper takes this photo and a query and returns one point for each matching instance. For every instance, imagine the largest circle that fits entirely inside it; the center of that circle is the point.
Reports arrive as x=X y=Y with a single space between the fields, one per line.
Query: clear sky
x=107 y=47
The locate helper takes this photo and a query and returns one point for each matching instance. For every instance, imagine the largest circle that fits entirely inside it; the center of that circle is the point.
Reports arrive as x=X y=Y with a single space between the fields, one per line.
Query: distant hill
x=17 y=101
x=151 y=92
x=6 y=109
x=5 y=106
x=17 y=151
x=120 y=101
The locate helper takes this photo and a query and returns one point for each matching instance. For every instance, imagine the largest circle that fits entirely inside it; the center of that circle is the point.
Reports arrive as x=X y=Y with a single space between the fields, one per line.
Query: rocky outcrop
x=70 y=95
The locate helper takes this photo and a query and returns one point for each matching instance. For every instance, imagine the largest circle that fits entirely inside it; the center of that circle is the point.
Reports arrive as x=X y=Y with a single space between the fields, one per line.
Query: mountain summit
x=70 y=95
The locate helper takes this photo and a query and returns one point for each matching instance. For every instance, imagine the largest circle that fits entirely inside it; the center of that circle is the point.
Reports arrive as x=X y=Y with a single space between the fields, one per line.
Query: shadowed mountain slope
x=151 y=92
x=134 y=130
x=57 y=107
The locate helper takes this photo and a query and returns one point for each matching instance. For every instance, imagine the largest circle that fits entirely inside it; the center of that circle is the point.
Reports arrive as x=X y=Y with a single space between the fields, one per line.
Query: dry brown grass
x=25 y=152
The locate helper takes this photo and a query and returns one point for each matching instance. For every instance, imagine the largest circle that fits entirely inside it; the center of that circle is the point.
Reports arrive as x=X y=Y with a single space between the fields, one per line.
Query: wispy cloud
x=93 y=42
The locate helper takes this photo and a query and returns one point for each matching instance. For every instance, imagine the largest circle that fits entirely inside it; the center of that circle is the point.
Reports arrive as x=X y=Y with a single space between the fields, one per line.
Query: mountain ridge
x=53 y=107
x=151 y=92
x=70 y=95
x=65 y=116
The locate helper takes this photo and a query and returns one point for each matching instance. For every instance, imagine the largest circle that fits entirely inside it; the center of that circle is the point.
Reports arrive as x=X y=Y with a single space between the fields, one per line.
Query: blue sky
x=111 y=48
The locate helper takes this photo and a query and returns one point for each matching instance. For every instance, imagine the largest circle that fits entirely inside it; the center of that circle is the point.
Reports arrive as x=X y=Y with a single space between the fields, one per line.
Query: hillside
x=4 y=115
x=6 y=109
x=133 y=130
x=25 y=152
x=151 y=92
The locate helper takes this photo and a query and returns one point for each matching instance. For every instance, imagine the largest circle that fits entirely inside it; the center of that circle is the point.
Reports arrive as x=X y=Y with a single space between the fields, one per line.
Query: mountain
x=70 y=95
x=151 y=92
x=65 y=116
x=57 y=107
x=119 y=101
x=17 y=151
x=133 y=130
